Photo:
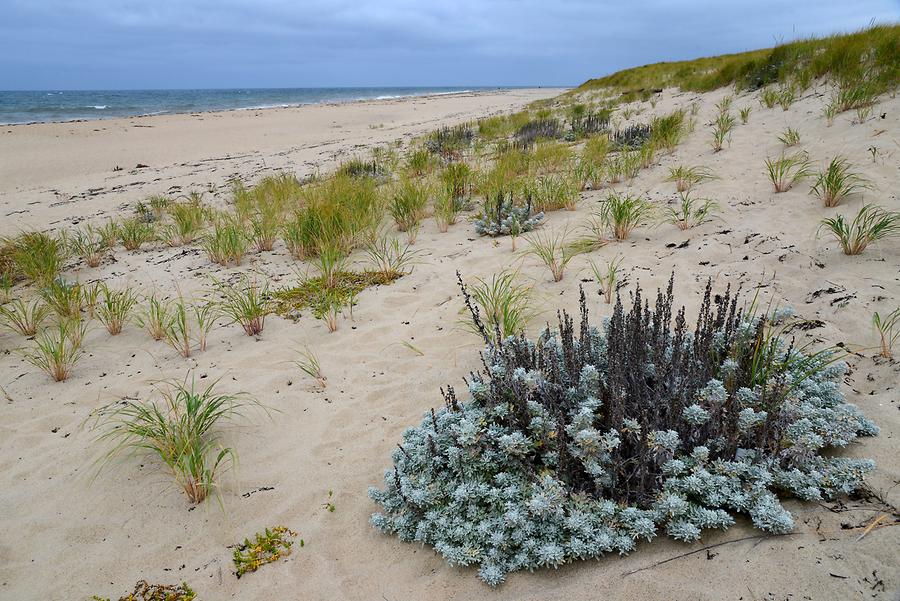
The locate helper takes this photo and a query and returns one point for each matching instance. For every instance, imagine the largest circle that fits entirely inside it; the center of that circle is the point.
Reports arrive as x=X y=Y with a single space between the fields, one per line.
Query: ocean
x=65 y=105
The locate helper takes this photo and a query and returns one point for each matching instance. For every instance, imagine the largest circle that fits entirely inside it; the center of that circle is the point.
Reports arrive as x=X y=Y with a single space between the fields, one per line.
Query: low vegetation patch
x=316 y=295
x=268 y=546
x=585 y=441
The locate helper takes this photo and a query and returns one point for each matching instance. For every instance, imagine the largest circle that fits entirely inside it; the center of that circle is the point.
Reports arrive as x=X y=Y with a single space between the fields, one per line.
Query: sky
x=149 y=44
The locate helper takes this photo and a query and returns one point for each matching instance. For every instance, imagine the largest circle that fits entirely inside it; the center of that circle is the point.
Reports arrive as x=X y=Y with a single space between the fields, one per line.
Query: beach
x=308 y=454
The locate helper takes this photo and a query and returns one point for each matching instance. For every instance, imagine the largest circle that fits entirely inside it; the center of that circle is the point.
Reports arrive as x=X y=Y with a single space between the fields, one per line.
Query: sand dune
x=66 y=536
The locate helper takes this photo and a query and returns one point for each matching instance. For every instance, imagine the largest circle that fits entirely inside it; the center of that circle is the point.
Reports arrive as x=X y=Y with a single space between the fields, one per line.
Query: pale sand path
x=63 y=537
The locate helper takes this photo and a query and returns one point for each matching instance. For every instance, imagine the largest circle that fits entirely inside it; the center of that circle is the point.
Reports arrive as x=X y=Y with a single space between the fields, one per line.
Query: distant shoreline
x=263 y=107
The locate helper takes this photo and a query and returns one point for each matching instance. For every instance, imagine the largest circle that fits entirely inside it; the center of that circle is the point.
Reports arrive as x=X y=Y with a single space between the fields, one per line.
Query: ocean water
x=50 y=105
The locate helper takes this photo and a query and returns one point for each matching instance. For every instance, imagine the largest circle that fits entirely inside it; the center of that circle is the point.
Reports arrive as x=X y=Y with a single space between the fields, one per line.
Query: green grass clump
x=888 y=328
x=722 y=127
x=790 y=137
x=504 y=305
x=624 y=213
x=409 y=200
x=266 y=547
x=838 y=181
x=58 y=349
x=553 y=250
x=115 y=308
x=228 y=241
x=787 y=170
x=188 y=220
x=686 y=178
x=691 y=212
x=88 y=244
x=457 y=179
x=23 y=318
x=552 y=193
x=63 y=298
x=871 y=223
x=37 y=256
x=134 y=232
x=247 y=303
x=668 y=131
x=181 y=431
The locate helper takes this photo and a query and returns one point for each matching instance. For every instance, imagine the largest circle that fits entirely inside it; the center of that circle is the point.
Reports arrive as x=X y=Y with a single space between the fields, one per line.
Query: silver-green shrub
x=584 y=442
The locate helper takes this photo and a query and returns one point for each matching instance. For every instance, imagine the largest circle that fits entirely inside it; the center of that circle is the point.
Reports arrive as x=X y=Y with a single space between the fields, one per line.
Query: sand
x=67 y=535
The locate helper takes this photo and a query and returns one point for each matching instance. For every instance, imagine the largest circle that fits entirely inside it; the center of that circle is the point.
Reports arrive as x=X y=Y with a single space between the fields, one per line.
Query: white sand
x=64 y=536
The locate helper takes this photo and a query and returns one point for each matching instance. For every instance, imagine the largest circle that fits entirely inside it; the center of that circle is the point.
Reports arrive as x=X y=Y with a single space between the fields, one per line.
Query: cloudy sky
x=119 y=44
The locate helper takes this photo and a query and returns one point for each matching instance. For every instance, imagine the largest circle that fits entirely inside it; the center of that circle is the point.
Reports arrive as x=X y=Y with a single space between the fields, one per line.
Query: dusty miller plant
x=586 y=441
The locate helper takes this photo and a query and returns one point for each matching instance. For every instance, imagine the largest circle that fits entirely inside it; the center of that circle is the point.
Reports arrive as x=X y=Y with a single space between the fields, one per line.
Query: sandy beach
x=68 y=533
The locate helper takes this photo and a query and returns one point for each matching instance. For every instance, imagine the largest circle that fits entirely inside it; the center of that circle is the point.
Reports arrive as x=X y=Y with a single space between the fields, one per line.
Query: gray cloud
x=260 y=43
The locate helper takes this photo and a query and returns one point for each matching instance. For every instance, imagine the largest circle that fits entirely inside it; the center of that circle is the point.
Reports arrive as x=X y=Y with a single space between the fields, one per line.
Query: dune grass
x=869 y=55
x=56 y=350
x=181 y=431
x=245 y=302
x=552 y=249
x=134 y=232
x=607 y=277
x=504 y=304
x=789 y=137
x=871 y=223
x=155 y=317
x=64 y=298
x=686 y=178
x=39 y=257
x=888 y=328
x=837 y=181
x=691 y=212
x=23 y=318
x=785 y=171
x=625 y=212
x=115 y=308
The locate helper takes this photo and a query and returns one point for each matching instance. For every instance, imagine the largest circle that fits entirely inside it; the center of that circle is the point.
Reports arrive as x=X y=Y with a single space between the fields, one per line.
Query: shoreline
x=50 y=169
x=482 y=91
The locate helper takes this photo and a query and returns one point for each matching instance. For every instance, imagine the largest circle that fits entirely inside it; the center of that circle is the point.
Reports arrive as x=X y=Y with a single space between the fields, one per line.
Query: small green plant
x=188 y=325
x=87 y=243
x=457 y=180
x=180 y=430
x=63 y=298
x=837 y=181
x=624 y=213
x=408 y=203
x=135 y=232
x=246 y=303
x=389 y=258
x=691 y=211
x=158 y=205
x=768 y=97
x=790 y=137
x=267 y=547
x=446 y=210
x=329 y=504
x=58 y=349
x=22 y=318
x=115 y=308
x=787 y=170
x=551 y=193
x=608 y=277
x=90 y=297
x=155 y=317
x=829 y=111
x=227 y=243
x=188 y=219
x=745 y=114
x=786 y=97
x=686 y=178
x=144 y=591
x=888 y=328
x=722 y=127
x=109 y=233
x=308 y=363
x=553 y=250
x=504 y=305
x=38 y=256
x=871 y=223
